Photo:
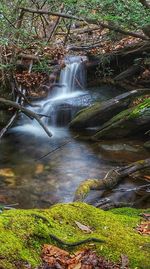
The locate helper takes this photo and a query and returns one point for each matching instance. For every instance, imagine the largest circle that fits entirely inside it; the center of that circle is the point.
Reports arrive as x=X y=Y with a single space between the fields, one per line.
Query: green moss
x=84 y=189
x=85 y=114
x=23 y=232
x=139 y=108
x=124 y=123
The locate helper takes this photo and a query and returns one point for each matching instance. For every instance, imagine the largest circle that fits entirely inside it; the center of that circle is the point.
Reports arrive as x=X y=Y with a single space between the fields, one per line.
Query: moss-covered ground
x=23 y=232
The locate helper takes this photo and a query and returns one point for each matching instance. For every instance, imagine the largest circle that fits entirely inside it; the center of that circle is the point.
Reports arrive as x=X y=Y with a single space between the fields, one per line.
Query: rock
x=119 y=147
x=100 y=112
x=147 y=145
x=126 y=123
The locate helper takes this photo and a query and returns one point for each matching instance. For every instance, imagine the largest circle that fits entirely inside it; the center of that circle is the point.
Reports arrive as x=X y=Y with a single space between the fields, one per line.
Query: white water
x=57 y=104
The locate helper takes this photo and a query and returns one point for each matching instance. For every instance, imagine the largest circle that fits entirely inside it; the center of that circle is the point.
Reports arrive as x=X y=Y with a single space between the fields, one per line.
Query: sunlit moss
x=23 y=232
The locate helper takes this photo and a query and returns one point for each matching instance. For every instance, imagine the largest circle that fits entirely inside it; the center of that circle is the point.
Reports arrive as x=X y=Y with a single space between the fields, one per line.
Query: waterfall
x=62 y=102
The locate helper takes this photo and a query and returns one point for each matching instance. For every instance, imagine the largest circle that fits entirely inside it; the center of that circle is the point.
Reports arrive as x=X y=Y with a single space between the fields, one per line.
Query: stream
x=38 y=171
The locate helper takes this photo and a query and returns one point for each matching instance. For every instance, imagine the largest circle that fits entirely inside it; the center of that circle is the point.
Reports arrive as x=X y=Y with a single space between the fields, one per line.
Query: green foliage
x=128 y=14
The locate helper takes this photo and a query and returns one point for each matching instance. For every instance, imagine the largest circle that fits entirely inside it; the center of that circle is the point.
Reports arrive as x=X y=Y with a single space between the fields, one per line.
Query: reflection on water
x=34 y=182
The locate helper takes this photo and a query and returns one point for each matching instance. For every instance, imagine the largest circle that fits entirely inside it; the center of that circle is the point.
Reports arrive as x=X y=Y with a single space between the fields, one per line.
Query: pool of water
x=32 y=180
x=38 y=171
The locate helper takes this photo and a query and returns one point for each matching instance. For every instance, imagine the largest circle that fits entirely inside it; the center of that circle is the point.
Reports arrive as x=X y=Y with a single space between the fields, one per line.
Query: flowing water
x=37 y=171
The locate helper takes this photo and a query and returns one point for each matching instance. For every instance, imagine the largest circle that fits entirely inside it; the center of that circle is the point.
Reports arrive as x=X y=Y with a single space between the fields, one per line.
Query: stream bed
x=38 y=171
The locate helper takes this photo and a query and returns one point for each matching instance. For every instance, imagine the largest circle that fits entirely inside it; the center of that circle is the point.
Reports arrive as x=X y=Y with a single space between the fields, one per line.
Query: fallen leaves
x=144 y=227
x=30 y=80
x=7 y=172
x=83 y=228
x=56 y=258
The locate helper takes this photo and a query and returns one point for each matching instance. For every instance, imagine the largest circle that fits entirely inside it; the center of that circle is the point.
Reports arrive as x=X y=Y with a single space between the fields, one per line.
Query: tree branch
x=26 y=111
x=87 y=20
x=57 y=14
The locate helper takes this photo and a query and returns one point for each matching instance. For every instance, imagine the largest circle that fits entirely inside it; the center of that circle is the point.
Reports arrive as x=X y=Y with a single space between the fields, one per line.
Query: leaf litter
x=56 y=258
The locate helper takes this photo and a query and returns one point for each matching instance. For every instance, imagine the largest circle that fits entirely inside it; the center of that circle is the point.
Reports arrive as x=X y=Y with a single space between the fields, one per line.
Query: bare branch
x=26 y=111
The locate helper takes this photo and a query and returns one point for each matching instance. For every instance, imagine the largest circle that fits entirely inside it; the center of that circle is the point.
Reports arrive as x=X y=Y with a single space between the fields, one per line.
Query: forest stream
x=37 y=171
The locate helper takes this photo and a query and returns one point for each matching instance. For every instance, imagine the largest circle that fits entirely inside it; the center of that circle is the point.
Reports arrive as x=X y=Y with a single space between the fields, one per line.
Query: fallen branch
x=26 y=111
x=53 y=150
x=86 y=20
x=112 y=178
x=122 y=31
x=28 y=56
x=84 y=47
x=57 y=14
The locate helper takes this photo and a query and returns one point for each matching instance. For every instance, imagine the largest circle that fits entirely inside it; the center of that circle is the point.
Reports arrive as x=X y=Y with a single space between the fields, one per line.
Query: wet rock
x=100 y=112
x=147 y=145
x=129 y=122
x=119 y=147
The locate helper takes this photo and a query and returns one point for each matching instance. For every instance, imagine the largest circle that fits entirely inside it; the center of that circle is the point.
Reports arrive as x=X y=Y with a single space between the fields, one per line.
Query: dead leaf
x=54 y=257
x=83 y=227
x=147 y=177
x=144 y=228
x=124 y=261
x=39 y=169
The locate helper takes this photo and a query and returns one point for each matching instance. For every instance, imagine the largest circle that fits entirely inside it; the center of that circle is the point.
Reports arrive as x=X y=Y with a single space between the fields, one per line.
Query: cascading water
x=62 y=102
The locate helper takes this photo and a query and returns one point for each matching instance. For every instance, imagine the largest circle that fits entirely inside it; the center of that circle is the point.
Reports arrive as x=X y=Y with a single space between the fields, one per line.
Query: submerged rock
x=23 y=233
x=147 y=144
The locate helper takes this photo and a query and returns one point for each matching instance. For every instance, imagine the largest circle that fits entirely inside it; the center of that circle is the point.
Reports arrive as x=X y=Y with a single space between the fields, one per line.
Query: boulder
x=100 y=112
x=129 y=122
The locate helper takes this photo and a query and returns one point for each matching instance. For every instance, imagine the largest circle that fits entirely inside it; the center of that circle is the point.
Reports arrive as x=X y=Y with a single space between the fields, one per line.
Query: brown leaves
x=56 y=258
x=30 y=80
x=144 y=227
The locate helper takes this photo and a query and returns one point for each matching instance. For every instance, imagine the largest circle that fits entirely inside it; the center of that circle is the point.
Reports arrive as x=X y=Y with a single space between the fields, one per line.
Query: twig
x=55 y=25
x=61 y=146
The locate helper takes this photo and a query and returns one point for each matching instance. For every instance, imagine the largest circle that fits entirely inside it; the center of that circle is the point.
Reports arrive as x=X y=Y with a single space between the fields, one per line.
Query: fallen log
x=112 y=178
x=130 y=72
x=26 y=111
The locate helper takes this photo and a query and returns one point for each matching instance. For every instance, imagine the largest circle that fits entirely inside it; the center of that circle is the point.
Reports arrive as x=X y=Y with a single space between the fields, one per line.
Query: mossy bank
x=23 y=232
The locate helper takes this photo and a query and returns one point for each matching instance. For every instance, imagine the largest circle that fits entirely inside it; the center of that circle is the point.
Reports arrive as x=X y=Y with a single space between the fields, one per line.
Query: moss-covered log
x=112 y=178
x=23 y=233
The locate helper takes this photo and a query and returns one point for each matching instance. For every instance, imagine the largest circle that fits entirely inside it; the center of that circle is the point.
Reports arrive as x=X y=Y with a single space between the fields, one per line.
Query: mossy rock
x=127 y=122
x=101 y=112
x=147 y=145
x=23 y=232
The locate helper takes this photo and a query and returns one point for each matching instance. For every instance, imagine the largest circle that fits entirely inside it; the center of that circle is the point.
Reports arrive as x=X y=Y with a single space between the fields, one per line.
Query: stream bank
x=23 y=233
